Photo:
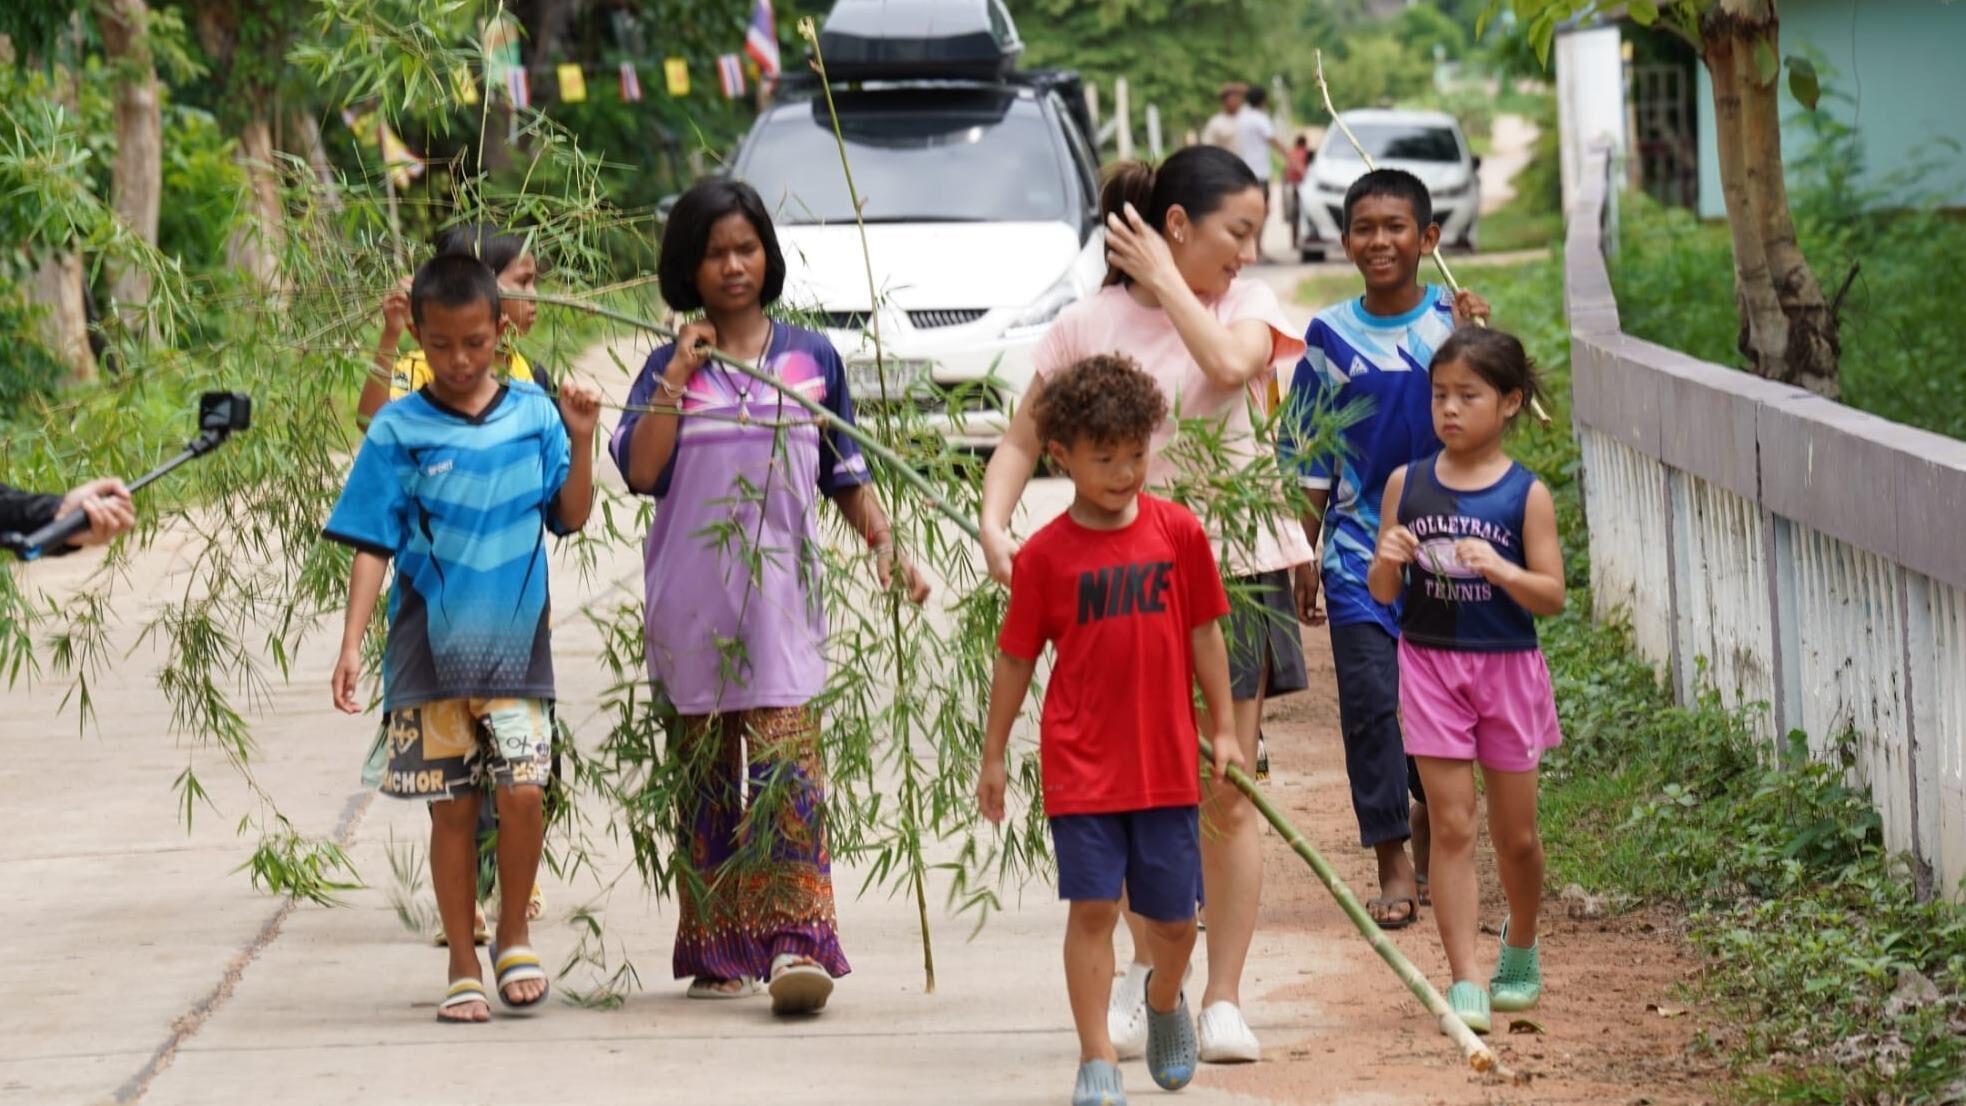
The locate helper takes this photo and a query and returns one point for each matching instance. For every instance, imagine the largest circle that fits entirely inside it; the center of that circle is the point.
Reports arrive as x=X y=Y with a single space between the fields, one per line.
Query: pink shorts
x=1495 y=708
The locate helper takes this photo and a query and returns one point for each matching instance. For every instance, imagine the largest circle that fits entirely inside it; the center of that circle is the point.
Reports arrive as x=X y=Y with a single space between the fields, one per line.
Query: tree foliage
x=1789 y=329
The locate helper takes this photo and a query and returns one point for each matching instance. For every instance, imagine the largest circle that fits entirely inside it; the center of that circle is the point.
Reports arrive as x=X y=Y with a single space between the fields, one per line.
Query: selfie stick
x=219 y=417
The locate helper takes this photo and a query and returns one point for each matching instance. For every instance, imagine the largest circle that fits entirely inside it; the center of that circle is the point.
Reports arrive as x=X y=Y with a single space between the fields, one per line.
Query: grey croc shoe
x=1173 y=1053
x=1098 y=1085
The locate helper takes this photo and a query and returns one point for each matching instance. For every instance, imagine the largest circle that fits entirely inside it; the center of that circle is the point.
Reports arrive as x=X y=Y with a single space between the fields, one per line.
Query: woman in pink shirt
x=1175 y=302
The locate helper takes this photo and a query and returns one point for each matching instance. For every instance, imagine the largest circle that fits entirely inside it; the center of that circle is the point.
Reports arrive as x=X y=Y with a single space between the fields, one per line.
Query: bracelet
x=671 y=391
x=880 y=540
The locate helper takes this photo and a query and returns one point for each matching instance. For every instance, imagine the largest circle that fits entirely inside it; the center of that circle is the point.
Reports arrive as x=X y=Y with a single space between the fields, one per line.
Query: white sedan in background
x=1428 y=144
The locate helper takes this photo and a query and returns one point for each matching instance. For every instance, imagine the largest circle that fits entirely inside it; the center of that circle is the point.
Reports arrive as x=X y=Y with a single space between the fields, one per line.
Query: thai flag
x=730 y=72
x=761 y=40
x=631 y=83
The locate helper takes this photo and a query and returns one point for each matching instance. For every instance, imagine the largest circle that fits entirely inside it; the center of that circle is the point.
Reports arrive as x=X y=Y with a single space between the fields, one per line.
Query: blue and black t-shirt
x=1447 y=604
x=462 y=504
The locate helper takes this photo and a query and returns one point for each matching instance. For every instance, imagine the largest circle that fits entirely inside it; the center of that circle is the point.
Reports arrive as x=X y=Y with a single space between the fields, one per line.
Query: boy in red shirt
x=1125 y=586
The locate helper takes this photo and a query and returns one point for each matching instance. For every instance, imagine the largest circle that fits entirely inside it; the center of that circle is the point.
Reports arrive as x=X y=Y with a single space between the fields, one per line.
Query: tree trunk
x=1788 y=332
x=57 y=282
x=305 y=143
x=137 y=179
x=57 y=286
x=257 y=241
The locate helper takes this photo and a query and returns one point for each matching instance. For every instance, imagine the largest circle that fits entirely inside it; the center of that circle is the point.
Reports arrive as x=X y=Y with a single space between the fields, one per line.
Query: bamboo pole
x=1535 y=406
x=1477 y=1054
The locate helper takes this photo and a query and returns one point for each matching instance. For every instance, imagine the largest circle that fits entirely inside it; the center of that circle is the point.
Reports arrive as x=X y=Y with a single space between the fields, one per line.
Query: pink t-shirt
x=1111 y=321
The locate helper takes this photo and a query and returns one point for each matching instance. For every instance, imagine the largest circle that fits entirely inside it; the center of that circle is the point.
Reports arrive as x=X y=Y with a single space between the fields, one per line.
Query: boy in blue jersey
x=456 y=484
x=1368 y=356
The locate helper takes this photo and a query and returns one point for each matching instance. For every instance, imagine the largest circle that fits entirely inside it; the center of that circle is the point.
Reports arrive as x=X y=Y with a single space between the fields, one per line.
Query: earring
x=1180 y=236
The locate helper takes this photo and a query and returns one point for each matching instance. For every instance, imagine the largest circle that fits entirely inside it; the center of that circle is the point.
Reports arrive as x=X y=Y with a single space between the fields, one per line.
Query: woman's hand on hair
x=1468 y=307
x=1139 y=251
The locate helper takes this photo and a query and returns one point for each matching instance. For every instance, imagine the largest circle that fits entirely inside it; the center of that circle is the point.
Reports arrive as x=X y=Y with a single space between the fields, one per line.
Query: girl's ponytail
x=1128 y=182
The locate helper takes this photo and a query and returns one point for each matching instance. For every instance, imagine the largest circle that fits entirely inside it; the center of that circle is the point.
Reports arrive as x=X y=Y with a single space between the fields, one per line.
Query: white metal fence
x=1805 y=559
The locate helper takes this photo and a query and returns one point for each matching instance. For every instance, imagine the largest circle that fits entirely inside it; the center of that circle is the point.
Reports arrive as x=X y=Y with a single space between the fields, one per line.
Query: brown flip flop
x=1412 y=913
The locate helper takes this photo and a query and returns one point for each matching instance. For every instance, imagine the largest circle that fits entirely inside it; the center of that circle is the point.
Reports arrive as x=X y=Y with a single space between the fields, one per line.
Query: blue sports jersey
x=461 y=504
x=1375 y=367
x=1448 y=604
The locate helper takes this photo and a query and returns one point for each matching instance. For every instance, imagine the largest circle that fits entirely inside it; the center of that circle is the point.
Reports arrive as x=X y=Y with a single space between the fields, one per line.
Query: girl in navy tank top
x=1467 y=538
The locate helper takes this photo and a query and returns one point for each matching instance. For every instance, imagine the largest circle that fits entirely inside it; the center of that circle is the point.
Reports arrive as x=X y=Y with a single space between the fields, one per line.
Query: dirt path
x=1601 y=1043
x=1512 y=148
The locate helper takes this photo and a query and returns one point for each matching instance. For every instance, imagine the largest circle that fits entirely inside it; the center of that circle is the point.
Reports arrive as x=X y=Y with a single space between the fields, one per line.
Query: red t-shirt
x=1118 y=728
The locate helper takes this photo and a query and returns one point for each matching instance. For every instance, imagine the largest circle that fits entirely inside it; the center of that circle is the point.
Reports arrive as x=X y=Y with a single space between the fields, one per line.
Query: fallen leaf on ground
x=1665 y=1011
x=1525 y=1025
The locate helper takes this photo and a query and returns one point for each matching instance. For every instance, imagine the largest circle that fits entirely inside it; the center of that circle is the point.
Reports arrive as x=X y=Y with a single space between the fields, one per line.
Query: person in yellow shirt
x=505 y=254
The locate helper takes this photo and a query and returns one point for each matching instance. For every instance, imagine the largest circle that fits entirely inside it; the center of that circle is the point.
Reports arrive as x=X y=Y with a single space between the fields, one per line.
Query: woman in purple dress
x=736 y=631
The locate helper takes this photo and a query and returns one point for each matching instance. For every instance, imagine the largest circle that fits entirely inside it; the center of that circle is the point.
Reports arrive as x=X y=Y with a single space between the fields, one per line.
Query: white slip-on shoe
x=1126 y=1013
x=1225 y=1038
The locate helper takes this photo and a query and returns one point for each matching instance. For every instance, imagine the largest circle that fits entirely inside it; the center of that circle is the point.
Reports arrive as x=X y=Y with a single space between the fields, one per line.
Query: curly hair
x=1105 y=399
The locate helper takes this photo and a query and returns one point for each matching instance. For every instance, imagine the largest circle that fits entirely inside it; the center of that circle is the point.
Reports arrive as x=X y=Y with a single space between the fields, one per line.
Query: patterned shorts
x=434 y=750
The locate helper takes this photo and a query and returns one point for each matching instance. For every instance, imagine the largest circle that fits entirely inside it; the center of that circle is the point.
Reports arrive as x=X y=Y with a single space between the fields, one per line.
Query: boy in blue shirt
x=454 y=484
x=1369 y=356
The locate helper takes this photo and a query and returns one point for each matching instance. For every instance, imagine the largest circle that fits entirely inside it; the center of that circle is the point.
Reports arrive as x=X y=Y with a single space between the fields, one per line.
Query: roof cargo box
x=902 y=39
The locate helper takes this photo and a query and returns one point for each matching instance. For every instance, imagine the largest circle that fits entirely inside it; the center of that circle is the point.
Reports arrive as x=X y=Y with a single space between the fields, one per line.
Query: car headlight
x=1045 y=308
x=1466 y=186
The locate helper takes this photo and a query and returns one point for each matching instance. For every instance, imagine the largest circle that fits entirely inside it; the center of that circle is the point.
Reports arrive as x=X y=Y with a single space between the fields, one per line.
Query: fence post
x=1122 y=117
x=1153 y=132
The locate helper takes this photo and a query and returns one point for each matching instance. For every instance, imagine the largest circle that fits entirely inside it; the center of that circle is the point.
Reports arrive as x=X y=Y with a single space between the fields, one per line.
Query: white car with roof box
x=979 y=192
x=1428 y=144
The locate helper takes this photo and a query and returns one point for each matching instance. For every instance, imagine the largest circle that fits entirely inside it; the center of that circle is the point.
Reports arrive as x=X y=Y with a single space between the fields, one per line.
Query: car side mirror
x=1477 y=162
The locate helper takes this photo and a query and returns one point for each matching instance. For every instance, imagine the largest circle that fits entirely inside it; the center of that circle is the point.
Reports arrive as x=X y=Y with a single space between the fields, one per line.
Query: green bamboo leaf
x=1643 y=12
x=1804 y=84
x=1542 y=35
x=1767 y=65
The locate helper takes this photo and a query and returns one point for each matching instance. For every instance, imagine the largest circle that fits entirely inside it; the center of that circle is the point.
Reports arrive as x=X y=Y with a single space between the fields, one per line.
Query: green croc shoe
x=1469 y=1002
x=1518 y=980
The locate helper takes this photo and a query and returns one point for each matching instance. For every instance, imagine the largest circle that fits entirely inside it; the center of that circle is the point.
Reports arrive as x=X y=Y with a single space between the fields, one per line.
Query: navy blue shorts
x=1154 y=854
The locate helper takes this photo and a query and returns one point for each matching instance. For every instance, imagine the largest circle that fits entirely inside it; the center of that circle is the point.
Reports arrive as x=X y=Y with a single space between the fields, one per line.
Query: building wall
x=1899 y=64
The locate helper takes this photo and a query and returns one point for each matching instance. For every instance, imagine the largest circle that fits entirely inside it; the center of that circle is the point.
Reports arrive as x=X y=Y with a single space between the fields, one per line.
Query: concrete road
x=144 y=967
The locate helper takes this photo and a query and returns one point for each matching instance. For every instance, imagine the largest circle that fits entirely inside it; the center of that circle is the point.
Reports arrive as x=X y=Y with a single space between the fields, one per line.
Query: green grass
x=1826 y=981
x=1901 y=324
x=1518 y=226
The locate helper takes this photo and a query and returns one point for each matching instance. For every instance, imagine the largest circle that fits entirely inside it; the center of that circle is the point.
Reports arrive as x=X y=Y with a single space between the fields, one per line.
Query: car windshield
x=917 y=156
x=1399 y=142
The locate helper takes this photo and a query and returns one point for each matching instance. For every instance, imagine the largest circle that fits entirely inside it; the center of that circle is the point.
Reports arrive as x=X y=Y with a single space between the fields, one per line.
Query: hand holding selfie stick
x=1535 y=406
x=219 y=414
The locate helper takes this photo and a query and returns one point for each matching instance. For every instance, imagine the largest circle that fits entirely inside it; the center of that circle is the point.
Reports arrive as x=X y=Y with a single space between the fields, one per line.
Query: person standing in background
x=1296 y=166
x=1256 y=136
x=1220 y=130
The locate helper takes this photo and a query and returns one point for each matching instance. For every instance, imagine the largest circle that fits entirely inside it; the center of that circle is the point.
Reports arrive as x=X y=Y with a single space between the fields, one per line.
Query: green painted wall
x=1902 y=63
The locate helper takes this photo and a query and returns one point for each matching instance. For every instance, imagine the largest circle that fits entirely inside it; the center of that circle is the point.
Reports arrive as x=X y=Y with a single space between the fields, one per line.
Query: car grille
x=921 y=320
x=843 y=320
x=931 y=397
x=935 y=320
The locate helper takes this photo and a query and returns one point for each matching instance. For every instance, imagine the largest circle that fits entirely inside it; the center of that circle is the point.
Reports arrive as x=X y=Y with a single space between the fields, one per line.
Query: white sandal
x=798 y=985
x=704 y=987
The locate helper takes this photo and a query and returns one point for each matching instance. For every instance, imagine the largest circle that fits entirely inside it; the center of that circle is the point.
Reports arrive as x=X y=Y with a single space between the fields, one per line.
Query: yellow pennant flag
x=676 y=70
x=467 y=86
x=573 y=85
